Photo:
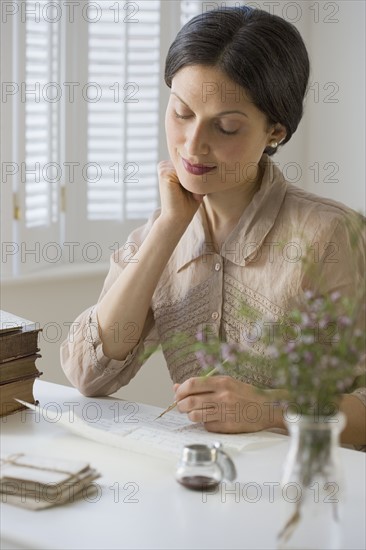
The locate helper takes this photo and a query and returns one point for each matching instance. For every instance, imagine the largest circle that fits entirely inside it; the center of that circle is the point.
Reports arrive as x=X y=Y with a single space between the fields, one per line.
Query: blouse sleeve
x=342 y=268
x=81 y=353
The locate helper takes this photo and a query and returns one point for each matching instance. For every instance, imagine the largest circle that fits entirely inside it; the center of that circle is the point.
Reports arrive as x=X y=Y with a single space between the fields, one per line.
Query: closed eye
x=181 y=116
x=217 y=125
x=225 y=132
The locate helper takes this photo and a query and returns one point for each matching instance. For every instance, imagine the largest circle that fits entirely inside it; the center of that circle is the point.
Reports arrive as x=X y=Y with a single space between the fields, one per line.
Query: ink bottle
x=203 y=467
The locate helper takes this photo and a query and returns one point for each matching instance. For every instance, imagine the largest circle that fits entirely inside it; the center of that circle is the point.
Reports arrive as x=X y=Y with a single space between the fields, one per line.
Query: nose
x=197 y=140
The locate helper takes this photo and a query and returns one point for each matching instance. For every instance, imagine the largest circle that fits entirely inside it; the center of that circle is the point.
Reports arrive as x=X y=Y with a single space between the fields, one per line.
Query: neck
x=224 y=208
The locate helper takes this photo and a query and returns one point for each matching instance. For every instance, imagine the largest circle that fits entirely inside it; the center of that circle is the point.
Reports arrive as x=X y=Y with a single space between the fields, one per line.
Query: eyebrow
x=218 y=114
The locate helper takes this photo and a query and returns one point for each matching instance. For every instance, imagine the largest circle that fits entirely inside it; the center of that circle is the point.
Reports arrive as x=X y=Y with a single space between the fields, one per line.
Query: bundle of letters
x=37 y=482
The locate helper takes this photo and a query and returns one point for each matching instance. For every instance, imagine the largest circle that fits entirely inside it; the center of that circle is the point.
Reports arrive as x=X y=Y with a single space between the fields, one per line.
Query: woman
x=226 y=227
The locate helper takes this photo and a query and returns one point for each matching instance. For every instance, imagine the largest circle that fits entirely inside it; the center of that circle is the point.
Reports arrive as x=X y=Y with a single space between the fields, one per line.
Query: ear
x=277 y=133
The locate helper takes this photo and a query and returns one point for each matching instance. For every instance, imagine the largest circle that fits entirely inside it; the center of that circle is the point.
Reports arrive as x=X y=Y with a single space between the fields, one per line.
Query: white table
x=140 y=504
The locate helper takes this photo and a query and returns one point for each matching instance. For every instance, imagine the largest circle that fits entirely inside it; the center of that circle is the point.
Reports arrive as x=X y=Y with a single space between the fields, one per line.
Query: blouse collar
x=247 y=237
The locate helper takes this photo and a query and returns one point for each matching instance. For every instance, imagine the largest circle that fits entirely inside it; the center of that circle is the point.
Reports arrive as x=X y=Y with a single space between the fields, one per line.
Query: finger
x=200 y=384
x=167 y=172
x=209 y=413
x=200 y=402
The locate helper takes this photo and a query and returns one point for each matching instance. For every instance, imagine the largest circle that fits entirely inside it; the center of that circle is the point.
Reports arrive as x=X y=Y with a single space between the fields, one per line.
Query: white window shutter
x=9 y=252
x=37 y=141
x=123 y=124
x=117 y=126
x=120 y=135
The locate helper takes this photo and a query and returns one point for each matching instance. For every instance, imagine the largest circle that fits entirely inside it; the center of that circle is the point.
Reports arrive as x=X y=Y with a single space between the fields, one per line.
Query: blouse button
x=217 y=267
x=215 y=315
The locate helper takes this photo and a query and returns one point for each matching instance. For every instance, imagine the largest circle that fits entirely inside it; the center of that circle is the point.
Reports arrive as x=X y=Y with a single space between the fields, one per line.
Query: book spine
x=19 y=345
x=21 y=378
x=21 y=390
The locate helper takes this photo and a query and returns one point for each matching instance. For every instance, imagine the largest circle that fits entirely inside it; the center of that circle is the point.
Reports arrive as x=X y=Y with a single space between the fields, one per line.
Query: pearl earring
x=273 y=144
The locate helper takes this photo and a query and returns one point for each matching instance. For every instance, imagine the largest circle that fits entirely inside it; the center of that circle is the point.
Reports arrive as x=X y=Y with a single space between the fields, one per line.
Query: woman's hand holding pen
x=226 y=405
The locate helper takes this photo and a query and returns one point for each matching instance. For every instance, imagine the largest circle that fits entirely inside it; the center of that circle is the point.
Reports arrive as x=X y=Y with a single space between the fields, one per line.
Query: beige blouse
x=260 y=263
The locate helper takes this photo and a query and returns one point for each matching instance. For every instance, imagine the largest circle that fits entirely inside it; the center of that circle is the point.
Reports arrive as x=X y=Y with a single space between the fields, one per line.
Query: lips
x=197 y=169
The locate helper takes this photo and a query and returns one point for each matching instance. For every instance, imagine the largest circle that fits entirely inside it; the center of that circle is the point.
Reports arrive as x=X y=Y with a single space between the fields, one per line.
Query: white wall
x=336 y=131
x=329 y=133
x=329 y=143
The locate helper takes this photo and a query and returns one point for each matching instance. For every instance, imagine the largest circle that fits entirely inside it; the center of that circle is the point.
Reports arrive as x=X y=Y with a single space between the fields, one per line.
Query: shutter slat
x=41 y=67
x=122 y=133
x=125 y=131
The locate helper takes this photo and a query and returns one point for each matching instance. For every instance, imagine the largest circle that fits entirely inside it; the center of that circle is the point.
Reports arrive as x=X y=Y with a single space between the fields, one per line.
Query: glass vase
x=312 y=487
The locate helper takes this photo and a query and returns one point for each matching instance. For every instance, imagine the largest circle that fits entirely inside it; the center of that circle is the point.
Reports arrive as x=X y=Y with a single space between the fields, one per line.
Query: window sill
x=64 y=272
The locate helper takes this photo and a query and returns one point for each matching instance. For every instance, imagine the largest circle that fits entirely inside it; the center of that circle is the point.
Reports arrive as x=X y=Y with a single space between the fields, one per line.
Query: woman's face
x=211 y=121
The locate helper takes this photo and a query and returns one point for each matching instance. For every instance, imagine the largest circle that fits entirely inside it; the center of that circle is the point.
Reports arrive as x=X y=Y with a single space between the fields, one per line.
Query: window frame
x=72 y=231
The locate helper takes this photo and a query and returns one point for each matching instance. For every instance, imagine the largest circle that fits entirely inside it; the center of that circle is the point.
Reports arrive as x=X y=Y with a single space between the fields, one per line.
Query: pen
x=209 y=373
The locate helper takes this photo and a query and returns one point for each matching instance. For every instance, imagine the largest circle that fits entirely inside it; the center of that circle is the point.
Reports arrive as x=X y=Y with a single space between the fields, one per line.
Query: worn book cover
x=19 y=368
x=20 y=389
x=18 y=337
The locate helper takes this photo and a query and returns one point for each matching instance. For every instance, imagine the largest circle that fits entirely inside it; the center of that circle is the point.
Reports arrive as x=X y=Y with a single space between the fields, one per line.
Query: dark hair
x=263 y=53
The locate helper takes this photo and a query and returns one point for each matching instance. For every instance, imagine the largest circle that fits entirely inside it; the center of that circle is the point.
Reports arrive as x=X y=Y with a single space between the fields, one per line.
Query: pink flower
x=335 y=296
x=205 y=359
x=344 y=321
x=228 y=352
x=272 y=352
x=290 y=346
x=334 y=361
x=308 y=356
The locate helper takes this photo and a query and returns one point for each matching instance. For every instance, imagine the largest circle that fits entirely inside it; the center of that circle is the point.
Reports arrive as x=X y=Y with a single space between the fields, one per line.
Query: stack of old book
x=18 y=354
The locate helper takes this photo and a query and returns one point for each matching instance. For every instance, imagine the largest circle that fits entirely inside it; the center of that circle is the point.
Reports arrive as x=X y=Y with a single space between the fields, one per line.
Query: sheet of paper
x=141 y=432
